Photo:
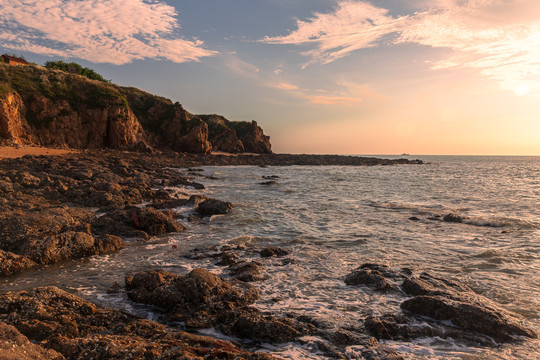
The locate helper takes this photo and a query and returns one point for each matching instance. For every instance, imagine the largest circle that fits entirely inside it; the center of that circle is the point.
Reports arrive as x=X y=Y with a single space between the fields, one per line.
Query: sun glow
x=522 y=90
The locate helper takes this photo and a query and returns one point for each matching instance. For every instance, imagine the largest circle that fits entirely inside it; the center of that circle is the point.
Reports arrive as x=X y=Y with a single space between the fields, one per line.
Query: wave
x=437 y=212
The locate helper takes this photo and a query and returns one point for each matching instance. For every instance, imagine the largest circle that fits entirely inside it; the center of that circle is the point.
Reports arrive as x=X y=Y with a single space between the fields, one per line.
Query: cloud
x=499 y=37
x=286 y=86
x=104 y=31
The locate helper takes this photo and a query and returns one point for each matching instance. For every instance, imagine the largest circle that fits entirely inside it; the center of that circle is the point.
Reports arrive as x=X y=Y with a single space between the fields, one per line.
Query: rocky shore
x=61 y=208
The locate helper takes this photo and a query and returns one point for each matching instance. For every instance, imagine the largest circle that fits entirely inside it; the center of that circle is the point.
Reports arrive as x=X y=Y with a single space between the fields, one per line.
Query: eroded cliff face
x=13 y=127
x=54 y=108
x=57 y=123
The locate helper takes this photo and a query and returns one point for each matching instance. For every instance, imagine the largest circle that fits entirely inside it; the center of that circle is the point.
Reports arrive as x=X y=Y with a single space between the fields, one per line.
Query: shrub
x=75 y=68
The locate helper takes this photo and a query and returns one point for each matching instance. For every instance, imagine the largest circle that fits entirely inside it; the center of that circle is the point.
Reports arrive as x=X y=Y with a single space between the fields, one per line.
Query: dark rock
x=369 y=278
x=270 y=177
x=202 y=299
x=453 y=218
x=169 y=204
x=273 y=251
x=271 y=182
x=481 y=317
x=11 y=263
x=247 y=271
x=197 y=199
x=227 y=259
x=414 y=218
x=14 y=346
x=214 y=207
x=69 y=327
x=196 y=186
x=155 y=222
x=114 y=288
x=227 y=141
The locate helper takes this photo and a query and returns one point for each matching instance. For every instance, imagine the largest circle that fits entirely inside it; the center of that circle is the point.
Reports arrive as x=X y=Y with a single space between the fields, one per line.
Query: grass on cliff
x=31 y=82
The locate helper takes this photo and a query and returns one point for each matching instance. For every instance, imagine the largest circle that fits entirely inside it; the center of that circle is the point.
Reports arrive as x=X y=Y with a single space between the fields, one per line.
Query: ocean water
x=333 y=219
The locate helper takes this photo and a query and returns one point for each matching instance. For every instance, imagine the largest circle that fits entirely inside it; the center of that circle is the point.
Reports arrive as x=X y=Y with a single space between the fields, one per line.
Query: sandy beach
x=10 y=152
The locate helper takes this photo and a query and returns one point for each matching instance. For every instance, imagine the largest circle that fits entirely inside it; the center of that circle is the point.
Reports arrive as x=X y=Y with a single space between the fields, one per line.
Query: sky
x=320 y=76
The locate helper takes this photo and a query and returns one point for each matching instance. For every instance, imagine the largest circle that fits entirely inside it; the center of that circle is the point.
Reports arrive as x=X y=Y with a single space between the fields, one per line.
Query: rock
x=271 y=182
x=453 y=218
x=155 y=222
x=254 y=139
x=202 y=300
x=214 y=207
x=197 y=199
x=15 y=346
x=169 y=204
x=247 y=271
x=227 y=141
x=473 y=316
x=227 y=259
x=196 y=140
x=6 y=187
x=114 y=288
x=414 y=218
x=273 y=251
x=482 y=317
x=68 y=245
x=69 y=327
x=270 y=177
x=11 y=263
x=369 y=278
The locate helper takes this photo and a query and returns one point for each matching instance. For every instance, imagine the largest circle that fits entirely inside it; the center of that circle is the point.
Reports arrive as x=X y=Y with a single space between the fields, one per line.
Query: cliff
x=54 y=108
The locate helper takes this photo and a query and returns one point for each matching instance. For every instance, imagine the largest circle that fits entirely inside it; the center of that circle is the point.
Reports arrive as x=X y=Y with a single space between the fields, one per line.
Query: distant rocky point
x=55 y=108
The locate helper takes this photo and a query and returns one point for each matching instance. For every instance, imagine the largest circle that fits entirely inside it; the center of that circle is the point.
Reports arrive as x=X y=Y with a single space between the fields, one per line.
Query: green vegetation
x=216 y=124
x=151 y=110
x=4 y=89
x=74 y=68
x=242 y=128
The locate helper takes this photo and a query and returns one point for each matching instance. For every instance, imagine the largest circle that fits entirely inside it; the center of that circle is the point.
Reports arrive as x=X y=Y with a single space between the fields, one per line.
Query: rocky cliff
x=54 y=108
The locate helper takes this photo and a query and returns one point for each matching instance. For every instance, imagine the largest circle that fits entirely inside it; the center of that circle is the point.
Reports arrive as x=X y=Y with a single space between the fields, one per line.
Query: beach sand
x=16 y=152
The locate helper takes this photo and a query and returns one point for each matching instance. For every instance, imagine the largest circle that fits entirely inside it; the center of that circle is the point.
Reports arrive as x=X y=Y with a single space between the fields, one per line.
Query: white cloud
x=499 y=37
x=111 y=31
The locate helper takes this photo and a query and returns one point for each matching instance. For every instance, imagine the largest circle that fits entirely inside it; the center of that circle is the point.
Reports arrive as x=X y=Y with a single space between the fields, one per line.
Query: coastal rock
x=11 y=263
x=470 y=312
x=136 y=222
x=473 y=316
x=254 y=139
x=202 y=299
x=155 y=222
x=227 y=141
x=15 y=346
x=196 y=140
x=214 y=207
x=453 y=218
x=247 y=271
x=13 y=127
x=369 y=278
x=273 y=251
x=69 y=327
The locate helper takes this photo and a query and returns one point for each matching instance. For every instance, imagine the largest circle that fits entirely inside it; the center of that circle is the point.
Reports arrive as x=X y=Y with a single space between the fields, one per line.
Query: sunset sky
x=320 y=76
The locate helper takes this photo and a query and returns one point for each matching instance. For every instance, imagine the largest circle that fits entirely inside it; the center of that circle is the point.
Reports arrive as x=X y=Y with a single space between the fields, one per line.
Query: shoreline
x=48 y=215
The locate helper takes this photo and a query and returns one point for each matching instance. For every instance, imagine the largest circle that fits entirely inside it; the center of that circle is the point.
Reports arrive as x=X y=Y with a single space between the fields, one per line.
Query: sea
x=332 y=219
